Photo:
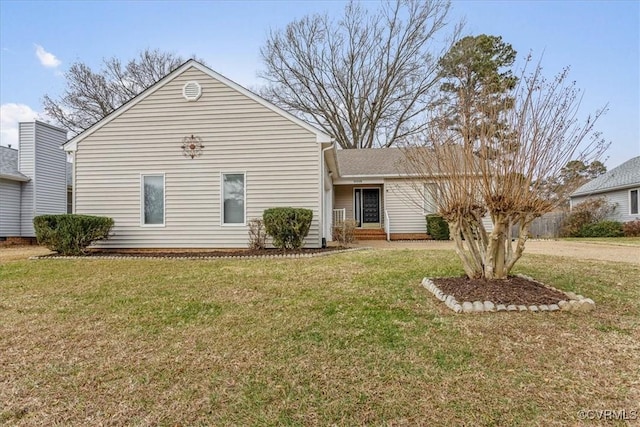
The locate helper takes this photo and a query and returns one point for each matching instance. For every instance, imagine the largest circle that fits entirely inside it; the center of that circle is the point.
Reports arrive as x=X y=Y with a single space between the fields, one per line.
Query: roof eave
x=389 y=175
x=605 y=190
x=72 y=144
x=12 y=177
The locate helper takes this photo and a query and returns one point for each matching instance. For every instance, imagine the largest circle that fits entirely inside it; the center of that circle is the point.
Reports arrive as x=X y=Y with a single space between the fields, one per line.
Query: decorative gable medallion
x=192 y=91
x=192 y=146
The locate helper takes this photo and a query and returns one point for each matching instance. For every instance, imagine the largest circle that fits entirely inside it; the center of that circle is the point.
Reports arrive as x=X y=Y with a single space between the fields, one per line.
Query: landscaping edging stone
x=574 y=302
x=234 y=257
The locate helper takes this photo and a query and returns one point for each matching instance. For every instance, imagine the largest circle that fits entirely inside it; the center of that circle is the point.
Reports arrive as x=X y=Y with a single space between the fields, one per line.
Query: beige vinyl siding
x=405 y=206
x=619 y=198
x=280 y=158
x=9 y=208
x=487 y=223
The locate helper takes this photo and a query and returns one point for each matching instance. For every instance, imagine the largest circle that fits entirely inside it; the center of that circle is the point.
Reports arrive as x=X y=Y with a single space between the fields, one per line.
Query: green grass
x=348 y=339
x=623 y=241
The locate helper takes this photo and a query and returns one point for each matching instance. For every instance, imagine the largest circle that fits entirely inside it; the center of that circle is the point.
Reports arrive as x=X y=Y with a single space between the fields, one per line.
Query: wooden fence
x=547 y=226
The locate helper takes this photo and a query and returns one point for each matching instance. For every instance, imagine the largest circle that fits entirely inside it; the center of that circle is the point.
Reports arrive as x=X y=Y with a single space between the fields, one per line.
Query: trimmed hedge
x=287 y=226
x=70 y=234
x=602 y=229
x=437 y=227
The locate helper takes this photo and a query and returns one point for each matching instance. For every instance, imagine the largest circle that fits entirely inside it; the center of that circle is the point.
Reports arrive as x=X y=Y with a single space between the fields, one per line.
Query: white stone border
x=576 y=303
x=235 y=257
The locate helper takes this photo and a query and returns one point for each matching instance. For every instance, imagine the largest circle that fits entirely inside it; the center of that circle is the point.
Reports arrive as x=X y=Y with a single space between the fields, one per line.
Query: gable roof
x=9 y=165
x=624 y=176
x=71 y=145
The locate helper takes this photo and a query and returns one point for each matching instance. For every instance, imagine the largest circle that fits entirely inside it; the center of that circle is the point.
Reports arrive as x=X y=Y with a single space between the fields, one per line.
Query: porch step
x=370 y=234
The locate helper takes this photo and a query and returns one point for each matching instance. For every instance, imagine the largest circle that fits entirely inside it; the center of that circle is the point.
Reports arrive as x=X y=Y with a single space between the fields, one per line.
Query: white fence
x=339 y=215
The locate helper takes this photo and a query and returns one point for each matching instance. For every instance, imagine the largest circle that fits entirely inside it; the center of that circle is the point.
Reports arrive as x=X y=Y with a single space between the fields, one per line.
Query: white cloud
x=47 y=59
x=10 y=116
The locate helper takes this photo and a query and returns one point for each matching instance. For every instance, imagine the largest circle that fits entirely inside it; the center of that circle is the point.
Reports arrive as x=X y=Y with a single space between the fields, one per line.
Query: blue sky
x=599 y=40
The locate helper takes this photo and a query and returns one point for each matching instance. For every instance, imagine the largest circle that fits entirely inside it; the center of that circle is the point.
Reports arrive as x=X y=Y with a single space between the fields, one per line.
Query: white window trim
x=164 y=199
x=222 y=223
x=638 y=204
x=424 y=199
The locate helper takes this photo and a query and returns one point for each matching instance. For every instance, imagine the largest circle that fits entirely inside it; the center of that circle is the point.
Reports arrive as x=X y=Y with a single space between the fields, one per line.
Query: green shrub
x=602 y=229
x=287 y=226
x=437 y=227
x=588 y=212
x=631 y=228
x=70 y=234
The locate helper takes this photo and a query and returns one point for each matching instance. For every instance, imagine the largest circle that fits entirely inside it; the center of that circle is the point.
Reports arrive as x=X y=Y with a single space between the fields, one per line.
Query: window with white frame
x=152 y=209
x=233 y=198
x=634 y=201
x=430 y=190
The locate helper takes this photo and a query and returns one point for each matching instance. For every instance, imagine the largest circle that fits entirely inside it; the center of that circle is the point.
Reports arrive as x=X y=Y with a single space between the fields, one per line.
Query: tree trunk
x=494 y=264
x=471 y=263
x=523 y=234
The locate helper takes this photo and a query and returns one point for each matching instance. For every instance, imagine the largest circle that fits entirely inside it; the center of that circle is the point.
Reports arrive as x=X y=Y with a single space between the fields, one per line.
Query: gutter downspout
x=322 y=196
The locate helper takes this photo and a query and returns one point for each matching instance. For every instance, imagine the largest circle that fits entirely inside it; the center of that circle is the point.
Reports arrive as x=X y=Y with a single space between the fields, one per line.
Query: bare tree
x=506 y=187
x=364 y=78
x=92 y=95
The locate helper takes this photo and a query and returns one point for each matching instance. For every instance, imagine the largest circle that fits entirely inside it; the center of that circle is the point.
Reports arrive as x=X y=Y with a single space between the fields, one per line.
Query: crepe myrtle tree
x=472 y=181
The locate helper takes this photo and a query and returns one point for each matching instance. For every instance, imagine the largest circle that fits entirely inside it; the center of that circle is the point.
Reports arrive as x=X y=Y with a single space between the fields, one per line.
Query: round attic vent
x=191 y=91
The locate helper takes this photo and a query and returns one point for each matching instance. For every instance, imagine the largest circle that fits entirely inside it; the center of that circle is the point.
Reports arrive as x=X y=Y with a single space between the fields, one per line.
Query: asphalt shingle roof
x=376 y=162
x=623 y=176
x=369 y=161
x=9 y=164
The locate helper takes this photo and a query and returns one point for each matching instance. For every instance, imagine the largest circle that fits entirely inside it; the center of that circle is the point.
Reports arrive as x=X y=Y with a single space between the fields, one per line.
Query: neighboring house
x=620 y=186
x=33 y=181
x=189 y=161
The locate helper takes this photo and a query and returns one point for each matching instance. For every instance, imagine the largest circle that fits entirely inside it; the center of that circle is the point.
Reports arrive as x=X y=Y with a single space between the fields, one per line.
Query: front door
x=367 y=206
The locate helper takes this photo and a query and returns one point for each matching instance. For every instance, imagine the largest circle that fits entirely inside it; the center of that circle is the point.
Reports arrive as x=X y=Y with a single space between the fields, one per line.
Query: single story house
x=33 y=180
x=189 y=161
x=620 y=186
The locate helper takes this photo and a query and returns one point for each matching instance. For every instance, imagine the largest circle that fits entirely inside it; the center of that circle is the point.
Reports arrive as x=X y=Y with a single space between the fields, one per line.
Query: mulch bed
x=182 y=253
x=513 y=290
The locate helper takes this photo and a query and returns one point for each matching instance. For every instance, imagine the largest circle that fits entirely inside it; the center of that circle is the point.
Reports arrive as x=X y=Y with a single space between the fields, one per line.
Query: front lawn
x=348 y=339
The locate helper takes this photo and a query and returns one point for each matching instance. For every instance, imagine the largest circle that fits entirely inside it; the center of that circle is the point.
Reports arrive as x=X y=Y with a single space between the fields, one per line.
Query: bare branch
x=91 y=95
x=365 y=78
